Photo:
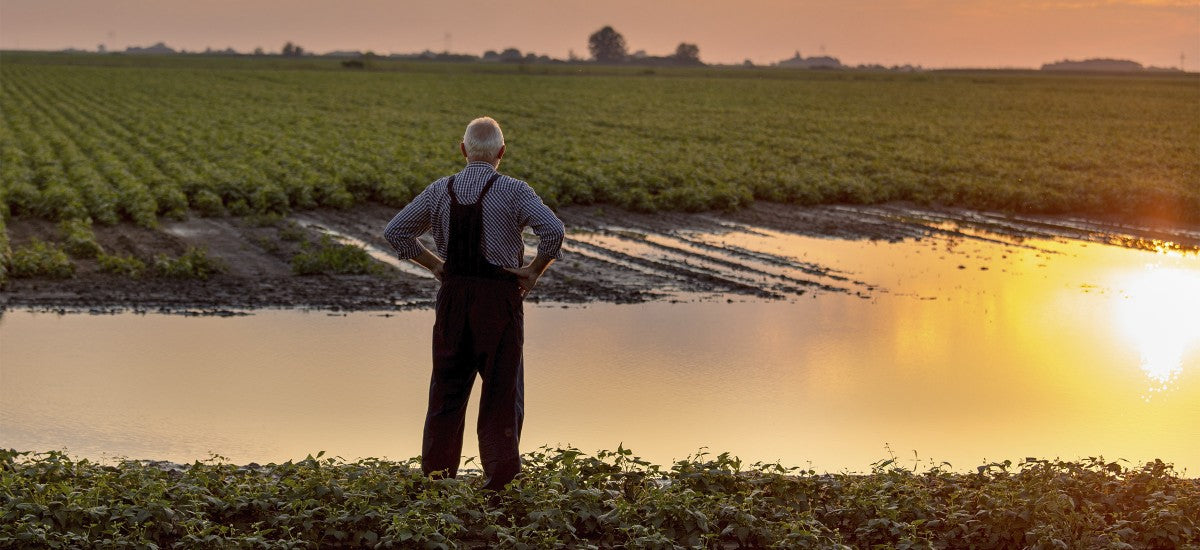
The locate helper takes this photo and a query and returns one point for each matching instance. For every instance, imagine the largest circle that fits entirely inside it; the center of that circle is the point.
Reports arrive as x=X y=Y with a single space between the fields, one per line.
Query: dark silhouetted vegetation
x=292 y=50
x=607 y=46
x=687 y=54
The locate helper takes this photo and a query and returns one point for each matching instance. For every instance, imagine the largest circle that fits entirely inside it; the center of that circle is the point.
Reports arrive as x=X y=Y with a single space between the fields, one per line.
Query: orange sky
x=932 y=33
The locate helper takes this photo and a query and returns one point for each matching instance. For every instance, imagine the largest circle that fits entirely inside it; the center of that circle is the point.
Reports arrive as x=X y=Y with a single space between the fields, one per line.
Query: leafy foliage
x=607 y=46
x=41 y=259
x=566 y=498
x=195 y=263
x=331 y=257
x=127 y=265
x=78 y=238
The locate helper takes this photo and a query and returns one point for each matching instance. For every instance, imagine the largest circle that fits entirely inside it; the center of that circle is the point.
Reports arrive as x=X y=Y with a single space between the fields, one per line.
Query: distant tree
x=491 y=55
x=688 y=54
x=510 y=54
x=747 y=63
x=607 y=46
x=292 y=50
x=258 y=50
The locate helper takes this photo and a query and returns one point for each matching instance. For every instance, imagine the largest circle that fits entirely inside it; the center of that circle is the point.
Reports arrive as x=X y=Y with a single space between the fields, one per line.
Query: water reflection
x=971 y=349
x=1159 y=314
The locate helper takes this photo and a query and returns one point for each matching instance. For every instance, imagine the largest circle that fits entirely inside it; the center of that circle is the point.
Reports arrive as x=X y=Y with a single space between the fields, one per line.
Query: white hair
x=483 y=139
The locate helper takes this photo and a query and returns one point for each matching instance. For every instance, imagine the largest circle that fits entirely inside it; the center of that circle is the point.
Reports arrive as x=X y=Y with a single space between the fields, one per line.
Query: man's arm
x=527 y=276
x=429 y=261
x=406 y=226
x=550 y=231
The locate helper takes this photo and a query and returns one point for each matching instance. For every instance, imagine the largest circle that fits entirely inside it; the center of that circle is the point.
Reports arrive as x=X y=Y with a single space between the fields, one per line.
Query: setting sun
x=1159 y=313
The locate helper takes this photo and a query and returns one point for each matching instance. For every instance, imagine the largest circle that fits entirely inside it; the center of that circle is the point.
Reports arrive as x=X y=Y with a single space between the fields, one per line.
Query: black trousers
x=479 y=330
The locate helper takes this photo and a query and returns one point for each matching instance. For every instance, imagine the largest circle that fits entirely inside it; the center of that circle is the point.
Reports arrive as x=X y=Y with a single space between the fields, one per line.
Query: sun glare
x=1159 y=313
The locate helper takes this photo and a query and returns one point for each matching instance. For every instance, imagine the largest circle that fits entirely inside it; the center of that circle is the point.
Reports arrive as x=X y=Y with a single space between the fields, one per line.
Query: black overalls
x=479 y=329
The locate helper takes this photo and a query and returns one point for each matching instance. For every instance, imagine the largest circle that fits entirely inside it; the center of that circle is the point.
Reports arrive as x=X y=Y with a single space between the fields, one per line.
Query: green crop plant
x=78 y=238
x=127 y=265
x=612 y=499
x=40 y=259
x=134 y=140
x=194 y=263
x=327 y=256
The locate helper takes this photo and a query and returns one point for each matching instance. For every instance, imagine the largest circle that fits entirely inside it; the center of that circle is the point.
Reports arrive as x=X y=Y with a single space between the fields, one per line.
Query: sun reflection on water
x=1160 y=314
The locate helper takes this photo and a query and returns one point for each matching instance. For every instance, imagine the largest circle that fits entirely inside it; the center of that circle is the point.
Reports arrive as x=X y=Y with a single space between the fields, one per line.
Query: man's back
x=509 y=207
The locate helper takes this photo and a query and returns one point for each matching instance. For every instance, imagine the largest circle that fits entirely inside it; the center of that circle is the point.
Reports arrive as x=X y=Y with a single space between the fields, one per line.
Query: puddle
x=977 y=342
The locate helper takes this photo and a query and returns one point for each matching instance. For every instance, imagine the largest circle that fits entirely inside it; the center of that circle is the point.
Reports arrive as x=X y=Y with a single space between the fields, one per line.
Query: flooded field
x=964 y=338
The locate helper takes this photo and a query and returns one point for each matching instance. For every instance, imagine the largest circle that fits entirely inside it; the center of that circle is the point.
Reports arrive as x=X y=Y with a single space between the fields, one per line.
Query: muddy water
x=967 y=345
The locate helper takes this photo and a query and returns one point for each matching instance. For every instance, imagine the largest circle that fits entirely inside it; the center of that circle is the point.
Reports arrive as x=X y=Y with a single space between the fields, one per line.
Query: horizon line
x=221 y=52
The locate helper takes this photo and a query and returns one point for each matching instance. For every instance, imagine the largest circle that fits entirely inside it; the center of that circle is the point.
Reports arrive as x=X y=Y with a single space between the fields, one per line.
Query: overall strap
x=486 y=187
x=450 y=189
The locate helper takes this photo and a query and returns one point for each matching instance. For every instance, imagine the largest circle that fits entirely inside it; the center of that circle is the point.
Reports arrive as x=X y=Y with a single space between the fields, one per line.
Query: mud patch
x=610 y=255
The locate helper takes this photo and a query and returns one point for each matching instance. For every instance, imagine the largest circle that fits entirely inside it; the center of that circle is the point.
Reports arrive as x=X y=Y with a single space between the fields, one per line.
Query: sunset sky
x=932 y=33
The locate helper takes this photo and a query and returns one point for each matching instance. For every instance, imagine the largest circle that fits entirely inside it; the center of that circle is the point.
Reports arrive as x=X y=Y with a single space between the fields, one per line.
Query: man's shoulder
x=512 y=182
x=510 y=185
x=438 y=184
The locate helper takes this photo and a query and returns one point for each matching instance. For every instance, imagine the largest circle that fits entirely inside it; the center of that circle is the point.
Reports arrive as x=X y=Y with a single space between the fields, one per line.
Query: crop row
x=138 y=144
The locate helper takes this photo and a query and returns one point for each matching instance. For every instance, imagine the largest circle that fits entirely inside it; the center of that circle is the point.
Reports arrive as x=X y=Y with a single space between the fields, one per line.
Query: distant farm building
x=1104 y=65
x=817 y=62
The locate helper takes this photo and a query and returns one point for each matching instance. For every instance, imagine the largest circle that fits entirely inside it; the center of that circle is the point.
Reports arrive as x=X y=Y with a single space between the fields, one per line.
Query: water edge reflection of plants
x=567 y=498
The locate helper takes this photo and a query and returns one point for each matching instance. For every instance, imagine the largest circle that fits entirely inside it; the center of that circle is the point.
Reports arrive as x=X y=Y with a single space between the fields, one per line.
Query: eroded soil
x=610 y=255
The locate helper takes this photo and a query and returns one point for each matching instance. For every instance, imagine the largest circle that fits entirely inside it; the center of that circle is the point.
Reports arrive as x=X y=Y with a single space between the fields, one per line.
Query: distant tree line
x=608 y=46
x=1103 y=65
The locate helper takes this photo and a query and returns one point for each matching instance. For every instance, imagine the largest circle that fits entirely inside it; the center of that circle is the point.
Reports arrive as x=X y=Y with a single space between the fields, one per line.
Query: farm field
x=991 y=263
x=90 y=142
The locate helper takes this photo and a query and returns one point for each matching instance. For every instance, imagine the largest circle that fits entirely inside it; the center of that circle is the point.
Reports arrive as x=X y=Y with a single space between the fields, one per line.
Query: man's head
x=483 y=141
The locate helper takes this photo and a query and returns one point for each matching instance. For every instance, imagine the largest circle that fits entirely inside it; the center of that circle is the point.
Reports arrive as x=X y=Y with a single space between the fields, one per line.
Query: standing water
x=964 y=347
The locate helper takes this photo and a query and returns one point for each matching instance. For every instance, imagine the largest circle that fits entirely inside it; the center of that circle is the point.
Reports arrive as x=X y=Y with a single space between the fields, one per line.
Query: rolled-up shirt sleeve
x=534 y=213
x=411 y=222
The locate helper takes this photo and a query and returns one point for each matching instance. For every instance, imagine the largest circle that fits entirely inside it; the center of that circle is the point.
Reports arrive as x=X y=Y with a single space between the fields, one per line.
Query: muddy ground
x=610 y=255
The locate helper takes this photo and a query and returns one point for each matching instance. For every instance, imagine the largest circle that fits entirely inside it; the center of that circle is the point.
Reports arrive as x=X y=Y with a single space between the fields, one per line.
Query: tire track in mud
x=692 y=278
x=932 y=223
x=763 y=252
x=743 y=272
x=634 y=264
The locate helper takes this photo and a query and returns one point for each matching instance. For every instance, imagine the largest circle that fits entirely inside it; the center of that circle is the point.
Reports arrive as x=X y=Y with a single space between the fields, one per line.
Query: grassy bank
x=575 y=500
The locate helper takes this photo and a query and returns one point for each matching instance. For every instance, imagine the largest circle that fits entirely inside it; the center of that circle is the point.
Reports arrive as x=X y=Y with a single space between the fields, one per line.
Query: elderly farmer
x=476 y=217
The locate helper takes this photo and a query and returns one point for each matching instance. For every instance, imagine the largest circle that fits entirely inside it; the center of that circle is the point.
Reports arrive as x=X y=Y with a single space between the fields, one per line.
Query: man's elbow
x=558 y=231
x=392 y=234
